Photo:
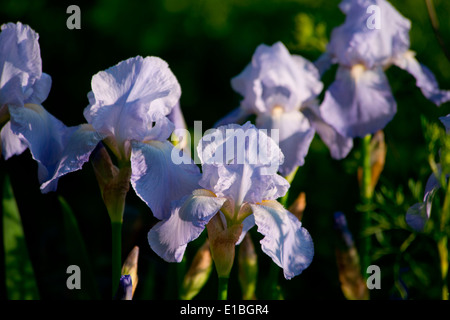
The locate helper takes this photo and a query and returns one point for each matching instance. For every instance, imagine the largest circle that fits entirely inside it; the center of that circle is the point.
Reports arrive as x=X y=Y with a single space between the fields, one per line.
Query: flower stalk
x=366 y=197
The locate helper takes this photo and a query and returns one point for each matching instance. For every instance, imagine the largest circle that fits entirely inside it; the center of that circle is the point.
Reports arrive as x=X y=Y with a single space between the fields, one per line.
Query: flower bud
x=377 y=158
x=298 y=206
x=222 y=244
x=114 y=183
x=125 y=289
x=198 y=273
x=352 y=283
x=130 y=267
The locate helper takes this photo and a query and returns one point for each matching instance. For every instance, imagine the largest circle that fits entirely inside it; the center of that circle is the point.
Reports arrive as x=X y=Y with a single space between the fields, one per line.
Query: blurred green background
x=206 y=43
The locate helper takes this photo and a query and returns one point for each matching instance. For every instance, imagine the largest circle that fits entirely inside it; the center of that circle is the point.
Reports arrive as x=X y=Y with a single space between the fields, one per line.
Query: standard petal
x=240 y=163
x=157 y=179
x=285 y=240
x=21 y=79
x=276 y=78
x=373 y=33
x=126 y=99
x=359 y=101
x=12 y=144
x=57 y=149
x=425 y=79
x=339 y=145
x=294 y=133
x=186 y=222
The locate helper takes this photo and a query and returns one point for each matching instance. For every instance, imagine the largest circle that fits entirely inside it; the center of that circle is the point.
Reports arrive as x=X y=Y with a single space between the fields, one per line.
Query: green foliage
x=19 y=274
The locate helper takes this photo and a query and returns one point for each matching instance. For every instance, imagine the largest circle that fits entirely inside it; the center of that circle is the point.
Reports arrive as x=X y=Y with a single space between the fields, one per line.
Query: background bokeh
x=206 y=43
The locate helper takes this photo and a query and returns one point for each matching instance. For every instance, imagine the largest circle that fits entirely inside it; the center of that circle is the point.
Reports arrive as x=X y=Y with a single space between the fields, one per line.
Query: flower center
x=357 y=70
x=277 y=111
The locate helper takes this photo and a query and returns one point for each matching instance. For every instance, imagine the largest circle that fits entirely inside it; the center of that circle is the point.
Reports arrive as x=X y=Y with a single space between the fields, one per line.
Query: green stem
x=443 y=244
x=116 y=228
x=366 y=197
x=222 y=292
x=443 y=255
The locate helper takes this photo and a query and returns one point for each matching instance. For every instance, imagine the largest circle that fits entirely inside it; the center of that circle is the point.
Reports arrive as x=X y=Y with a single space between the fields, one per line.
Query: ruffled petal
x=130 y=96
x=186 y=222
x=161 y=175
x=358 y=102
x=12 y=144
x=57 y=149
x=276 y=78
x=425 y=79
x=358 y=41
x=21 y=79
x=285 y=240
x=240 y=163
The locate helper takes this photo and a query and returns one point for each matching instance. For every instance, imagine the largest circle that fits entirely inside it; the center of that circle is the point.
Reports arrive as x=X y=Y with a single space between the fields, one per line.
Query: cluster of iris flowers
x=245 y=168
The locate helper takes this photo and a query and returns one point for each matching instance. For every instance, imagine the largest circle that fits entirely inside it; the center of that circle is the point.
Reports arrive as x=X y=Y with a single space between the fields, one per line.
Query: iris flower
x=129 y=107
x=23 y=87
x=418 y=214
x=239 y=184
x=280 y=89
x=360 y=101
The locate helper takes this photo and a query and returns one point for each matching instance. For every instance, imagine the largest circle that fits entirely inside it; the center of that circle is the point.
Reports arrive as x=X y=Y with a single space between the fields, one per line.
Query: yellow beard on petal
x=357 y=70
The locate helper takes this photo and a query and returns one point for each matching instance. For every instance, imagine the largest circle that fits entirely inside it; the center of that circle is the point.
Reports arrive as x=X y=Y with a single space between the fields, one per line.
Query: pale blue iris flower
x=418 y=214
x=240 y=183
x=23 y=87
x=280 y=89
x=130 y=106
x=360 y=101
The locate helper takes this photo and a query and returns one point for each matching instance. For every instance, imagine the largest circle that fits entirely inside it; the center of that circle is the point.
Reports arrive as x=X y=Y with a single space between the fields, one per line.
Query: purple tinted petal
x=425 y=79
x=186 y=222
x=12 y=144
x=419 y=213
x=339 y=145
x=57 y=149
x=359 y=102
x=446 y=122
x=285 y=240
x=41 y=89
x=78 y=143
x=157 y=179
x=125 y=289
x=21 y=66
x=417 y=216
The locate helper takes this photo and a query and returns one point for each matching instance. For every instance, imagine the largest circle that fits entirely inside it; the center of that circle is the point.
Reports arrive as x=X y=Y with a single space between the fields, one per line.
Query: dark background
x=206 y=43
